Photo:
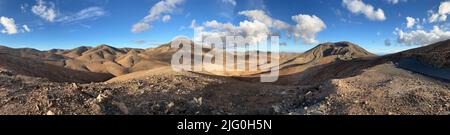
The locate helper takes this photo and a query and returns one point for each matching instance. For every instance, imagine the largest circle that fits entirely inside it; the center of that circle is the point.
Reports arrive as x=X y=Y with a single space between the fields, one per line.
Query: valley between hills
x=331 y=79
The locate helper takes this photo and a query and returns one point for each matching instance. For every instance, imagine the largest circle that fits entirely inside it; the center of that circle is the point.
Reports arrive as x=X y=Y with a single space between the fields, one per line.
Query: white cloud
x=410 y=22
x=263 y=17
x=444 y=8
x=232 y=2
x=258 y=30
x=87 y=13
x=260 y=26
x=435 y=17
x=255 y=30
x=166 y=18
x=441 y=15
x=25 y=28
x=45 y=10
x=164 y=7
x=140 y=27
x=359 y=7
x=9 y=25
x=422 y=37
x=307 y=27
x=393 y=2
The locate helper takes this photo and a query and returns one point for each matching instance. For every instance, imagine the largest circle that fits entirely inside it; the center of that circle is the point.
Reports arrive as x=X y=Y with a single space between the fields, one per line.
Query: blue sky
x=370 y=23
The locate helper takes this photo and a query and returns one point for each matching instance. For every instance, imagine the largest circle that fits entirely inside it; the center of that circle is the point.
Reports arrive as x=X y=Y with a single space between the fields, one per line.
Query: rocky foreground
x=375 y=91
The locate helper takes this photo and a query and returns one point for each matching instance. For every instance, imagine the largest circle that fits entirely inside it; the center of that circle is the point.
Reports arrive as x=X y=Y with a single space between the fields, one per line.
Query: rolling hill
x=332 y=78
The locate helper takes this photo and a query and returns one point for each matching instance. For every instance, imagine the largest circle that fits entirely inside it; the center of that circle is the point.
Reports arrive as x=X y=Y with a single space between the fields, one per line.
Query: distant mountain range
x=104 y=61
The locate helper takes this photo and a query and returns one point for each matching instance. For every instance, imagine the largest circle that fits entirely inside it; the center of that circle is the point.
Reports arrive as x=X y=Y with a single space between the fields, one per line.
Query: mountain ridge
x=329 y=80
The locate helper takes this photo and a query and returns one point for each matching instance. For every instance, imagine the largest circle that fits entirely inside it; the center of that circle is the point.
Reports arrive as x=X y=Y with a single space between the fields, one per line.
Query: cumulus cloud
x=260 y=26
x=232 y=2
x=444 y=8
x=256 y=30
x=441 y=14
x=45 y=10
x=87 y=13
x=9 y=25
x=307 y=27
x=160 y=9
x=359 y=7
x=410 y=22
x=422 y=37
x=264 y=18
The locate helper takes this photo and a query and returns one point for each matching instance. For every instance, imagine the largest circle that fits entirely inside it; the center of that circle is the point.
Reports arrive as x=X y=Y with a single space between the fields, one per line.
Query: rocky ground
x=153 y=95
x=180 y=93
x=385 y=89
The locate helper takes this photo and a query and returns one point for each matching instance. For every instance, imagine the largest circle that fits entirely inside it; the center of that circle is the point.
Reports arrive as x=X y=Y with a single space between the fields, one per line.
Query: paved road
x=415 y=65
